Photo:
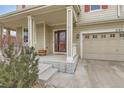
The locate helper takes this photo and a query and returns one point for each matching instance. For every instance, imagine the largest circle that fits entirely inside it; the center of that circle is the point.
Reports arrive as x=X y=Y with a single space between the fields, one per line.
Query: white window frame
x=96 y=9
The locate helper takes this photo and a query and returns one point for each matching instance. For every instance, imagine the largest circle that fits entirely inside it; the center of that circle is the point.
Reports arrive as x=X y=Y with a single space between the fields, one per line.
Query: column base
x=69 y=59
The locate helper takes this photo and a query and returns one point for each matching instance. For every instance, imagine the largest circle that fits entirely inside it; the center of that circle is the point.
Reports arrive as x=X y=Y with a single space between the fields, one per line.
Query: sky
x=7 y=8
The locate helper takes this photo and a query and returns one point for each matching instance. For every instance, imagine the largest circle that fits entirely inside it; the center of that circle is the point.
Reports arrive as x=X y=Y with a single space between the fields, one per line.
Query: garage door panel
x=105 y=57
x=120 y=50
x=108 y=48
x=121 y=43
x=102 y=50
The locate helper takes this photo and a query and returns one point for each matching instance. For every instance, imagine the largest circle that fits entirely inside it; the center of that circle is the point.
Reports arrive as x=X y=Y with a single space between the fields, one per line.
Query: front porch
x=37 y=27
x=60 y=62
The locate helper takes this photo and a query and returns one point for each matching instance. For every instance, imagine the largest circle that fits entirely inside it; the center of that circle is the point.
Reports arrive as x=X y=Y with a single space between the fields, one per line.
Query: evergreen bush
x=20 y=68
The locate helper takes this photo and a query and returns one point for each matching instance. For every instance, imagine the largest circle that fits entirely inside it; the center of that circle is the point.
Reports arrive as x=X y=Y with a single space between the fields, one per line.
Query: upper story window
x=89 y=8
x=95 y=7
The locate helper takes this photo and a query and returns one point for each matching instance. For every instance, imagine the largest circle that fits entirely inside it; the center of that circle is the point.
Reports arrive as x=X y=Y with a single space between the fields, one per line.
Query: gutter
x=101 y=22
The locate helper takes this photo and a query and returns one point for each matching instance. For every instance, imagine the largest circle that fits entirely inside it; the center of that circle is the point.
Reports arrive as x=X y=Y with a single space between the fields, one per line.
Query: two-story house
x=87 y=31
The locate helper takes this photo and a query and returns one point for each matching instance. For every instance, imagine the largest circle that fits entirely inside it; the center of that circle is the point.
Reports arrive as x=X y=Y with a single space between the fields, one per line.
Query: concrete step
x=43 y=67
x=46 y=75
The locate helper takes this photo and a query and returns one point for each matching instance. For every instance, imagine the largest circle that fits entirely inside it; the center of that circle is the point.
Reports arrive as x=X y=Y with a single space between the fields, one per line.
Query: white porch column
x=34 y=33
x=30 y=31
x=81 y=45
x=44 y=28
x=69 y=33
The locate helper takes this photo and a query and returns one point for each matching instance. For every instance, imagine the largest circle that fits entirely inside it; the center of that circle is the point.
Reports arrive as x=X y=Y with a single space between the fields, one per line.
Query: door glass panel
x=60 y=41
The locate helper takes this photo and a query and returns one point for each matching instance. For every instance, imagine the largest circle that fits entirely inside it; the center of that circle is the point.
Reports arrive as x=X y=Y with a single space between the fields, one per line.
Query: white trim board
x=44 y=28
x=94 y=31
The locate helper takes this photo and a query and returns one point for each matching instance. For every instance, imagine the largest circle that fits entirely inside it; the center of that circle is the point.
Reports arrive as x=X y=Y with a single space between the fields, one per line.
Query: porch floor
x=53 y=58
x=59 y=62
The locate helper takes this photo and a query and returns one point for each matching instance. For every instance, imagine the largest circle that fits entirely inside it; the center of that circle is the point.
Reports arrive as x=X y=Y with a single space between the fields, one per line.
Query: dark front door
x=60 y=41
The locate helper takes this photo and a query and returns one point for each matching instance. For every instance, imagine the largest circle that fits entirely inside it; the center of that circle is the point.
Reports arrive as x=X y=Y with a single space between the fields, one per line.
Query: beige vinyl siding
x=97 y=27
x=19 y=7
x=49 y=39
x=30 y=5
x=19 y=33
x=59 y=27
x=97 y=16
x=40 y=36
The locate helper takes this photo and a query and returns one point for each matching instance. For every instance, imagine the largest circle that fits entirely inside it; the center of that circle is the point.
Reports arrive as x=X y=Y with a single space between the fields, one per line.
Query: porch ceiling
x=51 y=15
x=23 y=22
x=54 y=18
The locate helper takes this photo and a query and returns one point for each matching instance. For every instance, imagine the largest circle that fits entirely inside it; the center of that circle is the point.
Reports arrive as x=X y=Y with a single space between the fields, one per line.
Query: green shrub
x=18 y=71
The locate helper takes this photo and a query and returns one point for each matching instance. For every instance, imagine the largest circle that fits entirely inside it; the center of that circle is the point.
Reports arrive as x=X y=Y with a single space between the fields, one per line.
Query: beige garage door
x=105 y=46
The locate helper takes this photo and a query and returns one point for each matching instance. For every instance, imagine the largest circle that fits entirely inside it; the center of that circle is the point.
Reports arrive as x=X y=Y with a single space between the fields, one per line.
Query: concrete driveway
x=92 y=74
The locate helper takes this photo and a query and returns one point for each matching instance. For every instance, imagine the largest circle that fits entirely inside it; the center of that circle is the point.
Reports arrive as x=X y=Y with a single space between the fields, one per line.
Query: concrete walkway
x=93 y=74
